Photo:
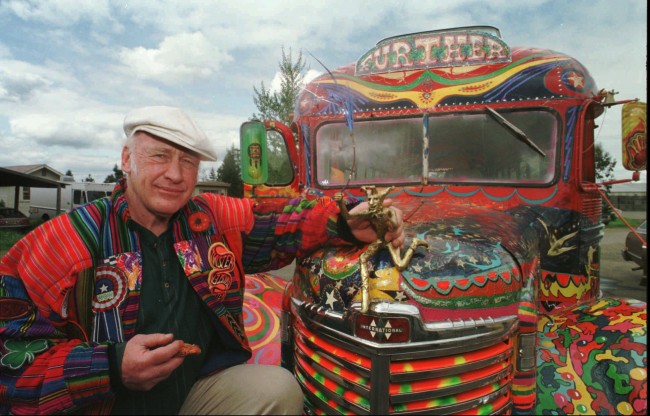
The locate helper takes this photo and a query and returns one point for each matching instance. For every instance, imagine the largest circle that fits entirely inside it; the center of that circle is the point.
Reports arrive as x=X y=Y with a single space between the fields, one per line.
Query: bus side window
x=588 y=149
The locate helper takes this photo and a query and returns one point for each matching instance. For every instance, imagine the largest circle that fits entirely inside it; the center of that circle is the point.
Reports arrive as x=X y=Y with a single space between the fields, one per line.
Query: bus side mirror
x=254 y=158
x=633 y=127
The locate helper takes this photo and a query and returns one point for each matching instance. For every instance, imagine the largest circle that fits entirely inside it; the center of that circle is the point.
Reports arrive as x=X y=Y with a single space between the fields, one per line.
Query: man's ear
x=126 y=160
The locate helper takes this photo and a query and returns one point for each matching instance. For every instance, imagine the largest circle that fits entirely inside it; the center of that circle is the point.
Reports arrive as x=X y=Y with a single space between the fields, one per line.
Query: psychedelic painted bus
x=488 y=150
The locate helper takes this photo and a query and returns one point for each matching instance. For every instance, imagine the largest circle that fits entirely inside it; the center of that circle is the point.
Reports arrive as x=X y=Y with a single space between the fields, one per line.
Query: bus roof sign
x=453 y=47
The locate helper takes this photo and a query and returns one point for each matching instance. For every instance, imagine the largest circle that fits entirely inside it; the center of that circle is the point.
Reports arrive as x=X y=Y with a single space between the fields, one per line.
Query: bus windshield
x=462 y=147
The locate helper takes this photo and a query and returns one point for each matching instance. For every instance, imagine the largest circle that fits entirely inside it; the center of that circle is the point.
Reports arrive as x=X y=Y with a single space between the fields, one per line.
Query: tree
x=605 y=165
x=88 y=178
x=279 y=105
x=212 y=175
x=230 y=172
x=115 y=176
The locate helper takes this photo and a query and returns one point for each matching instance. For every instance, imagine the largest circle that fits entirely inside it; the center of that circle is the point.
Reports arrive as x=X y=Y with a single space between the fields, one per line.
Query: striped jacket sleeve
x=275 y=233
x=44 y=368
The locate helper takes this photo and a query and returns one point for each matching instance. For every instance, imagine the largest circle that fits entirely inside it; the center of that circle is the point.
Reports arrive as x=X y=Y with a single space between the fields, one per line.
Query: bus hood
x=477 y=265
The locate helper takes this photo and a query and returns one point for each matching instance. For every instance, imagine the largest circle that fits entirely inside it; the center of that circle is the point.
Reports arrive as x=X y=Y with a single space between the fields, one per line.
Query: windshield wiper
x=514 y=130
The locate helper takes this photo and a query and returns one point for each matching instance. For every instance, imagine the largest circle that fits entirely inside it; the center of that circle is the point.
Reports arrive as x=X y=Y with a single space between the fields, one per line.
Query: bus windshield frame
x=471 y=147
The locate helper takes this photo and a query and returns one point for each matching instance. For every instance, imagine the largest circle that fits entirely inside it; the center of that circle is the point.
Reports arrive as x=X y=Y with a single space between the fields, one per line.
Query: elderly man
x=152 y=269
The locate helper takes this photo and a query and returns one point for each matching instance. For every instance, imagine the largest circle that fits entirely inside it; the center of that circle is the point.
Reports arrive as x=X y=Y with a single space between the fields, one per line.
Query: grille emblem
x=382 y=330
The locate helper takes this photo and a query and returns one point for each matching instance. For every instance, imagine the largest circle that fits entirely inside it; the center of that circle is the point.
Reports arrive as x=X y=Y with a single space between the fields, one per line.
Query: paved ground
x=617 y=277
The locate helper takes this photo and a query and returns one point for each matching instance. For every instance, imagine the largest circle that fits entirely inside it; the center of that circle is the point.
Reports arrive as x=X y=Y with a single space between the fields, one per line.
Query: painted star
x=103 y=288
x=331 y=299
x=576 y=79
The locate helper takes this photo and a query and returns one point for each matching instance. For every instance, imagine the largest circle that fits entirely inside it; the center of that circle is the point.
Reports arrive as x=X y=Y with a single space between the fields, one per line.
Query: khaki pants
x=246 y=389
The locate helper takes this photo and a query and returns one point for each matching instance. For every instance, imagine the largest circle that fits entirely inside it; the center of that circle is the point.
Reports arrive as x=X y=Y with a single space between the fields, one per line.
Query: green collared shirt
x=168 y=304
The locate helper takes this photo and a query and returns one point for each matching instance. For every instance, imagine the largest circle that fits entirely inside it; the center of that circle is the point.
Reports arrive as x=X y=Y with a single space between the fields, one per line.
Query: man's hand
x=149 y=359
x=363 y=231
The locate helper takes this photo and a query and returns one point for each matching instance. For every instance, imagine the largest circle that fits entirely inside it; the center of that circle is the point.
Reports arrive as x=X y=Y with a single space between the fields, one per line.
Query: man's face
x=161 y=176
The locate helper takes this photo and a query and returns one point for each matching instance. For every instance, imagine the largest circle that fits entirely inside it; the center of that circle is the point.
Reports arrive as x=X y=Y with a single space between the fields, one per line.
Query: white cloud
x=16 y=87
x=183 y=57
x=78 y=130
x=276 y=82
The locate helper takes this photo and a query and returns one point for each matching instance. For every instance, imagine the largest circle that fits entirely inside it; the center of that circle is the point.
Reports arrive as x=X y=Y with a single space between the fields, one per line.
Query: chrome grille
x=592 y=207
x=341 y=376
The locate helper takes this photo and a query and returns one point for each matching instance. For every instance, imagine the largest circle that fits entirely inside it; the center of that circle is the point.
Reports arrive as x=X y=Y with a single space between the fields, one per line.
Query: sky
x=71 y=69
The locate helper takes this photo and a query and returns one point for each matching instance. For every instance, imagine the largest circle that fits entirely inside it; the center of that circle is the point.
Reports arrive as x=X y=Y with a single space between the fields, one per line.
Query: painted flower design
x=199 y=222
x=21 y=352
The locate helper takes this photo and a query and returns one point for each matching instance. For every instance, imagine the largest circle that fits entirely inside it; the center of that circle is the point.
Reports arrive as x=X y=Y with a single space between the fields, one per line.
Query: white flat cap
x=171 y=124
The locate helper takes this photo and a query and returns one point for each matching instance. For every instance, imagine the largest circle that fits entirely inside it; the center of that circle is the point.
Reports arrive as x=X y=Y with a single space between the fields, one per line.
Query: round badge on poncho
x=219 y=283
x=110 y=288
x=199 y=222
x=221 y=258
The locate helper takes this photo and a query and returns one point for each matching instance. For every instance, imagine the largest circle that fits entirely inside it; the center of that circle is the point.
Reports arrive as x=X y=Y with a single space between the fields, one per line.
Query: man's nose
x=175 y=169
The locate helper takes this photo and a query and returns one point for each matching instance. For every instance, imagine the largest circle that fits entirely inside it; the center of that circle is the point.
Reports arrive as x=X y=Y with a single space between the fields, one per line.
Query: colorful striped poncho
x=71 y=287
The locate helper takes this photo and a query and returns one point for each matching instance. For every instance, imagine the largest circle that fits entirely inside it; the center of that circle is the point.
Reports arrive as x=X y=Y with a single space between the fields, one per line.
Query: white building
x=630 y=196
x=8 y=193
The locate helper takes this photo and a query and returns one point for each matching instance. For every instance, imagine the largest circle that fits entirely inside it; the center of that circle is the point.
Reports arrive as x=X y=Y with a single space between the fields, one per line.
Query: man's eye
x=160 y=157
x=189 y=162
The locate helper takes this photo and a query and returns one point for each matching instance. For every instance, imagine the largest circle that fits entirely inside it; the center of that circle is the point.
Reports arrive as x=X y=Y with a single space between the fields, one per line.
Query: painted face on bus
x=161 y=177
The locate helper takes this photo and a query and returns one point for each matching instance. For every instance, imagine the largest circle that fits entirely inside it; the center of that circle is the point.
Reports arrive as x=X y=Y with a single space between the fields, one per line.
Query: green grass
x=8 y=239
x=617 y=223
